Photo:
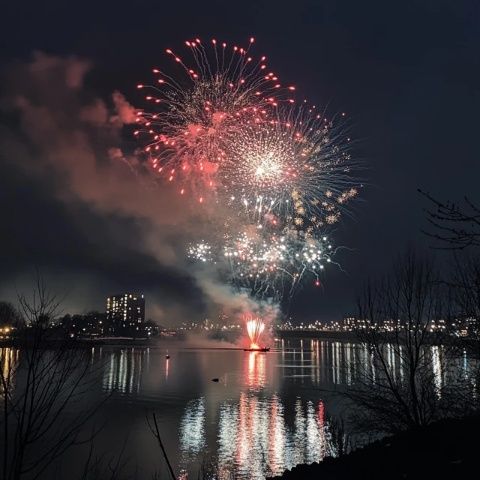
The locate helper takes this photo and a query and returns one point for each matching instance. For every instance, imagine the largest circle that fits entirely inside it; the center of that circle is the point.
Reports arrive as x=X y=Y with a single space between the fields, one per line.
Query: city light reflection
x=192 y=429
x=267 y=413
x=123 y=372
x=255 y=436
x=8 y=363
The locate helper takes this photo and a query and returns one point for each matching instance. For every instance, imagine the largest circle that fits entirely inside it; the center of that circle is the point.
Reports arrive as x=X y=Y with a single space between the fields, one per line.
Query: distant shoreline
x=431 y=338
x=81 y=342
x=53 y=342
x=328 y=335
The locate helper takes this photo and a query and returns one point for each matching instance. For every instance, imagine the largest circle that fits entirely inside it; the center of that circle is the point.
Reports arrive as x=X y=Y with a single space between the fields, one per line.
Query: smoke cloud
x=77 y=149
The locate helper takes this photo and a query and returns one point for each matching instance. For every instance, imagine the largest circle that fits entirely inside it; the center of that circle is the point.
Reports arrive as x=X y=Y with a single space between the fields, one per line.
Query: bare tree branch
x=454 y=228
x=397 y=388
x=42 y=387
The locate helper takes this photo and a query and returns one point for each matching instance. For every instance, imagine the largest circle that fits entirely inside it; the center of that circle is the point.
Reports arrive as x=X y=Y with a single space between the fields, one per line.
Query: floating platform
x=263 y=350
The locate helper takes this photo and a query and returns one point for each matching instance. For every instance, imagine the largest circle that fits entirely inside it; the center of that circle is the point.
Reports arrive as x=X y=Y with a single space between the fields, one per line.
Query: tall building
x=125 y=312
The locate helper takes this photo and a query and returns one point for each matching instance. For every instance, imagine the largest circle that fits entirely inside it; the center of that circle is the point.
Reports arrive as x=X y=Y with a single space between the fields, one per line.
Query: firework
x=255 y=328
x=277 y=172
x=224 y=127
x=201 y=251
x=292 y=170
x=219 y=89
x=269 y=266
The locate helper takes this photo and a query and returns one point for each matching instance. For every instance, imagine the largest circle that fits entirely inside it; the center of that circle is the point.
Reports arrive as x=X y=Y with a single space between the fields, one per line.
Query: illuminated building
x=125 y=312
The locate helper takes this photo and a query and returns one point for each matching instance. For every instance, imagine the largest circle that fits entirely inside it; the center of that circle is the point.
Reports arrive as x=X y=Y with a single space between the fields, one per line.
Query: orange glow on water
x=255 y=376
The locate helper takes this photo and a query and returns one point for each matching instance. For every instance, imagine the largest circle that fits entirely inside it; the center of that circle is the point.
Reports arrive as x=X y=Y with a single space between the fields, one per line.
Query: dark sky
x=407 y=73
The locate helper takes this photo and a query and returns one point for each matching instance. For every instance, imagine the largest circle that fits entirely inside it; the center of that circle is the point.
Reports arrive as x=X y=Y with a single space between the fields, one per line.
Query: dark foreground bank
x=446 y=449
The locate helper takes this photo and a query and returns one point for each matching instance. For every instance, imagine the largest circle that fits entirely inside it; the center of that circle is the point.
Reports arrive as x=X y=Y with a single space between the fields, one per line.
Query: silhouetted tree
x=41 y=390
x=10 y=316
x=464 y=282
x=397 y=389
x=458 y=228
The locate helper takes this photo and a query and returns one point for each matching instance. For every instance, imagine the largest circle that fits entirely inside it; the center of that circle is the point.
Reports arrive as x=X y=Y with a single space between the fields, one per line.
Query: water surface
x=267 y=412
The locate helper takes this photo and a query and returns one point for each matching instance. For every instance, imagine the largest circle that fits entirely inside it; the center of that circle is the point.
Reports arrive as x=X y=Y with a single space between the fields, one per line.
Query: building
x=126 y=312
x=349 y=324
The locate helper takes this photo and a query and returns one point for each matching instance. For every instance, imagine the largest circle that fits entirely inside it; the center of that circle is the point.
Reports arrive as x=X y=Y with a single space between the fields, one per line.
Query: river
x=266 y=413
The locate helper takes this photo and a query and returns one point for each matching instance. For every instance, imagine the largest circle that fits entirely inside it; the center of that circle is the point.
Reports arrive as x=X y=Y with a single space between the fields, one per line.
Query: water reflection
x=255 y=437
x=267 y=412
x=256 y=433
x=192 y=429
x=437 y=369
x=325 y=362
x=8 y=363
x=255 y=373
x=344 y=363
x=123 y=369
x=261 y=429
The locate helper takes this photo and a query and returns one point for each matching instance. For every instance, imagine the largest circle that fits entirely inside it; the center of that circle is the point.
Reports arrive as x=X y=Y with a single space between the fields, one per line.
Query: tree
x=397 y=388
x=465 y=285
x=458 y=228
x=41 y=388
x=9 y=315
x=464 y=282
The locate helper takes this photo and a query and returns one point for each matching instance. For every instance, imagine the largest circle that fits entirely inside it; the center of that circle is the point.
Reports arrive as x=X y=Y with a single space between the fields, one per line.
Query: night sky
x=407 y=74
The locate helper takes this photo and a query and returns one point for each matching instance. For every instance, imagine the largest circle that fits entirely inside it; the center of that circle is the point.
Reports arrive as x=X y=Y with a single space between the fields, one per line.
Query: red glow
x=255 y=328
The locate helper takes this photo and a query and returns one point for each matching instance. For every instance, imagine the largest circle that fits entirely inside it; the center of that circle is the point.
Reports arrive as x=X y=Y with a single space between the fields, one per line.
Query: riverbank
x=446 y=449
x=322 y=334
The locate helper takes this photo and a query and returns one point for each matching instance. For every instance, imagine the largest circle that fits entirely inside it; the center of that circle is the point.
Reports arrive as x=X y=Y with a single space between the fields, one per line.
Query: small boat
x=263 y=349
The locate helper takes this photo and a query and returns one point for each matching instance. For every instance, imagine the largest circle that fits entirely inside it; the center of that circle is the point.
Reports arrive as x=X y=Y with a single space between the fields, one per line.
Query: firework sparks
x=293 y=170
x=273 y=265
x=225 y=129
x=220 y=88
x=255 y=328
x=201 y=251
